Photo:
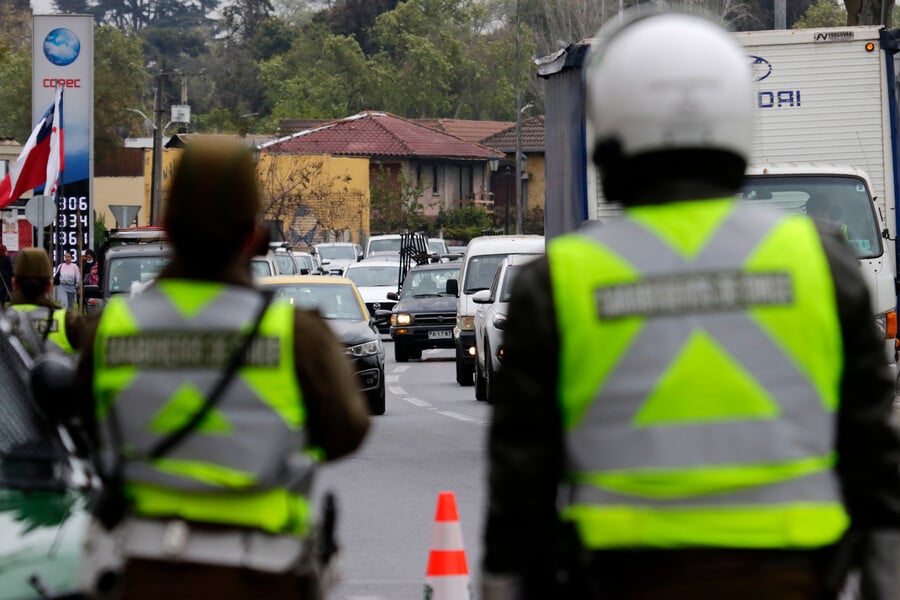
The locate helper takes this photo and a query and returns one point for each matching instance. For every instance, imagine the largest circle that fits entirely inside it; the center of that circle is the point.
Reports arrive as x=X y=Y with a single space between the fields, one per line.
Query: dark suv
x=425 y=312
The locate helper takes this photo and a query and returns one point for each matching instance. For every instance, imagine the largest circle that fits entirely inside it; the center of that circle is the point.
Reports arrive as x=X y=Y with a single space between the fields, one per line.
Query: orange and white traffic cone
x=447 y=577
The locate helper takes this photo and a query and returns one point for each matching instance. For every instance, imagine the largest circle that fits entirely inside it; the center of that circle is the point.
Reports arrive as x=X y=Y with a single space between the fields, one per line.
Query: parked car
x=490 y=319
x=337 y=256
x=425 y=312
x=262 y=266
x=383 y=244
x=44 y=487
x=342 y=307
x=375 y=278
x=483 y=256
x=307 y=263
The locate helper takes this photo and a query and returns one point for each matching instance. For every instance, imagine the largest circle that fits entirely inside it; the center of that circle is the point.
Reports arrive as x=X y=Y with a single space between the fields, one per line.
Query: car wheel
x=480 y=388
x=490 y=377
x=415 y=352
x=463 y=371
x=376 y=399
x=401 y=351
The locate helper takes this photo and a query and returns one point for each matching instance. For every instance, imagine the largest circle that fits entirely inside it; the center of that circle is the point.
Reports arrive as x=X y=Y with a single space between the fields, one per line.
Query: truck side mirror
x=453 y=287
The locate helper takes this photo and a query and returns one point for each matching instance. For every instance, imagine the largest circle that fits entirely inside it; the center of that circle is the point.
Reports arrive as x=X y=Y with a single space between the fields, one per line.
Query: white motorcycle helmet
x=659 y=82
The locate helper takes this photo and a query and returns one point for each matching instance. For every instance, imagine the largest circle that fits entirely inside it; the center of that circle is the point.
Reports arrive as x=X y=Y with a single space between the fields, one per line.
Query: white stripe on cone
x=452 y=587
x=447 y=535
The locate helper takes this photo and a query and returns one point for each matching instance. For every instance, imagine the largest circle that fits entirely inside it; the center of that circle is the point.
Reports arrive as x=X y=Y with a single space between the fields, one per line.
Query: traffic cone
x=447 y=577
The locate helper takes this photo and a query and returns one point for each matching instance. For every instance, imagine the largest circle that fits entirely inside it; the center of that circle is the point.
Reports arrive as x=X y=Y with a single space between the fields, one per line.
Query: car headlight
x=465 y=323
x=366 y=349
x=401 y=319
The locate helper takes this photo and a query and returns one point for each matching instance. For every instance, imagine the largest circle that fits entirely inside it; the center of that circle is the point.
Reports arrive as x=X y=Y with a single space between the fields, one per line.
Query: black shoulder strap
x=165 y=445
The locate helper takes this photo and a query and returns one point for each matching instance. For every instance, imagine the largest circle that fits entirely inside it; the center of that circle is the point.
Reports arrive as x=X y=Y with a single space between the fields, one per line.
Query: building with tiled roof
x=451 y=171
x=464 y=129
x=532 y=146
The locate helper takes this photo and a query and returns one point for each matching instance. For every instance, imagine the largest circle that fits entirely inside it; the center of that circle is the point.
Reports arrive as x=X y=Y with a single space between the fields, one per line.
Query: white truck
x=825 y=142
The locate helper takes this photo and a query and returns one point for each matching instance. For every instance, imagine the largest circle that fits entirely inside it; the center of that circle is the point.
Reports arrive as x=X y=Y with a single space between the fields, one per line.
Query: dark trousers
x=156 y=580
x=709 y=575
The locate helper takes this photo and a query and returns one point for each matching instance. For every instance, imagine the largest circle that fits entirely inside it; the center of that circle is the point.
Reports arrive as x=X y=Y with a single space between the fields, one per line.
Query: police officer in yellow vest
x=225 y=512
x=32 y=283
x=694 y=402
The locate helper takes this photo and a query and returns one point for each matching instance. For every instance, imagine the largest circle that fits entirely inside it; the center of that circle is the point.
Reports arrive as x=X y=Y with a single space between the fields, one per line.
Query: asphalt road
x=431 y=439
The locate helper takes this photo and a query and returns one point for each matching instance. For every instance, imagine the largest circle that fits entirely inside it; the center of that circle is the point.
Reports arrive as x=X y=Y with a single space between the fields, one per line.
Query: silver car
x=490 y=319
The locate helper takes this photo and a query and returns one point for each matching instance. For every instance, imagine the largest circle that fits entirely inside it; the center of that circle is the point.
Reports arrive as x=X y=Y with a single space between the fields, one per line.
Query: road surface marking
x=459 y=417
x=397 y=391
x=417 y=402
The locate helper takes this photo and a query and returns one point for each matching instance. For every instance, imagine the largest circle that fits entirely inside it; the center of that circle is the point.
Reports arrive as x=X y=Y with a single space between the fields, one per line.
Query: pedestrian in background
x=32 y=294
x=204 y=445
x=91 y=270
x=6 y=271
x=694 y=401
x=69 y=275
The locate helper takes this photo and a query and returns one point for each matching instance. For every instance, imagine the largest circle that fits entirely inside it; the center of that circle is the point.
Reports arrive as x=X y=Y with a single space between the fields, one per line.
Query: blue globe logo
x=61 y=47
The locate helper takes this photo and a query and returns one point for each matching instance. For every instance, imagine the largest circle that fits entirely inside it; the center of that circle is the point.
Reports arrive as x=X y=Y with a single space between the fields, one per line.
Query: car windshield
x=284 y=264
x=334 y=301
x=374 y=276
x=260 y=268
x=303 y=262
x=385 y=245
x=842 y=201
x=427 y=282
x=508 y=279
x=337 y=252
x=480 y=272
x=437 y=246
x=128 y=270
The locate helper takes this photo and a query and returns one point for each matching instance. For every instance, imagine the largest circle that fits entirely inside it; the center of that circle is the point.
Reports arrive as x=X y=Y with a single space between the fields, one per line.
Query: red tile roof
x=379 y=134
x=471 y=131
x=532 y=137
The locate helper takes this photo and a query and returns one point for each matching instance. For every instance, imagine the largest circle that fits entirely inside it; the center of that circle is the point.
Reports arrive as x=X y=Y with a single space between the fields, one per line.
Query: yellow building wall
x=120 y=190
x=169 y=160
x=318 y=198
x=537 y=182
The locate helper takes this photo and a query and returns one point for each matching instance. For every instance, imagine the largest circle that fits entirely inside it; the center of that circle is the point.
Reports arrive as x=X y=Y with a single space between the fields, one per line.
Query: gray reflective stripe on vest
x=814 y=488
x=602 y=443
x=259 y=442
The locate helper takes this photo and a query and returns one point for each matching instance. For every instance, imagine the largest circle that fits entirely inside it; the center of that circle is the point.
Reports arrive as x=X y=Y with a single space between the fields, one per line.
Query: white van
x=480 y=263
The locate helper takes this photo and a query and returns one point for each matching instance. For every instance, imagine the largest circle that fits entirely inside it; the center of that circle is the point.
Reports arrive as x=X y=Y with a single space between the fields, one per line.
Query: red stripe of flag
x=447 y=562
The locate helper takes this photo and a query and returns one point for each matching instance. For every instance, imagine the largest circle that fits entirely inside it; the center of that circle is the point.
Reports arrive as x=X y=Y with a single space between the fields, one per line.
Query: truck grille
x=435 y=319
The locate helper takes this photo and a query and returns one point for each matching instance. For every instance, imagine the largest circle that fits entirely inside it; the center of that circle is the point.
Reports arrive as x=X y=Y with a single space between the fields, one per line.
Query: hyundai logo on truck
x=761 y=68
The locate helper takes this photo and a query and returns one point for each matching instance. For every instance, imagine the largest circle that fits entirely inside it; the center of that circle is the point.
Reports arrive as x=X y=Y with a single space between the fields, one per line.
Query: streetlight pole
x=156 y=172
x=518 y=182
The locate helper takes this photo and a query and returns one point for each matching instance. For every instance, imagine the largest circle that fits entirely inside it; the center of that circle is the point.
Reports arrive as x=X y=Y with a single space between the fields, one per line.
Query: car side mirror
x=482 y=297
x=453 y=287
x=393 y=296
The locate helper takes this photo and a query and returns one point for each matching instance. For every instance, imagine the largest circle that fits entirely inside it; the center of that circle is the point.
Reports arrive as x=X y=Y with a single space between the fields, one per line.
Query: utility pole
x=156 y=172
x=518 y=182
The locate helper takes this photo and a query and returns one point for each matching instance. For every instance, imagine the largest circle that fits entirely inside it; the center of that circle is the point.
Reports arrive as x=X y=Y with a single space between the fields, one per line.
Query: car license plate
x=440 y=335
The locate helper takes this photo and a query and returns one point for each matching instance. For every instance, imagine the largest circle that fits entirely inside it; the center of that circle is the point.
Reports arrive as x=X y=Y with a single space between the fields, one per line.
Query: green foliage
x=15 y=73
x=824 y=13
x=119 y=81
x=395 y=202
x=99 y=229
x=533 y=221
x=464 y=223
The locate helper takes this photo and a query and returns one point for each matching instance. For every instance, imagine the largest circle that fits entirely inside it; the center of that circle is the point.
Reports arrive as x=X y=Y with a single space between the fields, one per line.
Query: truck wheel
x=490 y=377
x=401 y=351
x=463 y=371
x=415 y=352
x=480 y=389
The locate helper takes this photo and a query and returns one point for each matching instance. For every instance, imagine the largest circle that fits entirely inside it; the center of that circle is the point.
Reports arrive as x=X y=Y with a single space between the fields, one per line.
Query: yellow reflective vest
x=38 y=315
x=156 y=357
x=700 y=369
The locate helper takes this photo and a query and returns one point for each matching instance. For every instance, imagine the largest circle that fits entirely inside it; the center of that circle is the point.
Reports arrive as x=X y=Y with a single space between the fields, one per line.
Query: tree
x=868 y=12
x=242 y=18
x=824 y=13
x=119 y=82
x=15 y=73
x=395 y=202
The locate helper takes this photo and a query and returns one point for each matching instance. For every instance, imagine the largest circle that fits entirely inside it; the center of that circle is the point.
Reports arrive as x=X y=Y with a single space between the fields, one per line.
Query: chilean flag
x=41 y=160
